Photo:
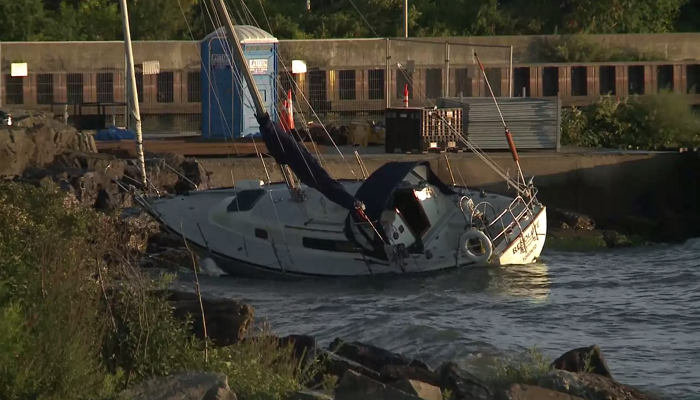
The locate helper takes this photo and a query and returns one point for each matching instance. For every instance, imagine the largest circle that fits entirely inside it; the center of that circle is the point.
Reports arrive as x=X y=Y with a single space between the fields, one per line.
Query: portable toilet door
x=260 y=51
x=227 y=106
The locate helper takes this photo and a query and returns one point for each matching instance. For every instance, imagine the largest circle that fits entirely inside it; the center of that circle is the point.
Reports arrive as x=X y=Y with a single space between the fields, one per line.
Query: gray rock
x=419 y=389
x=591 y=386
x=354 y=386
x=583 y=359
x=183 y=386
x=308 y=395
x=527 y=392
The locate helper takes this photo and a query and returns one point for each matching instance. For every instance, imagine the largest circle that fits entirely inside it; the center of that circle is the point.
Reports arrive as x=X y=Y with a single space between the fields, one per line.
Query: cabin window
x=404 y=78
x=342 y=246
x=44 y=89
x=411 y=210
x=579 y=81
x=74 y=88
x=245 y=200
x=14 y=89
x=550 y=81
x=494 y=77
x=521 y=82
x=463 y=82
x=664 y=77
x=433 y=83
x=346 y=84
x=105 y=87
x=635 y=79
x=692 y=74
x=164 y=85
x=260 y=233
x=376 y=84
x=606 y=77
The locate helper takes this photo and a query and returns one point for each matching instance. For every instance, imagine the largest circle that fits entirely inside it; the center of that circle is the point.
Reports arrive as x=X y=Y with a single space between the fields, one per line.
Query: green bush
x=653 y=122
x=575 y=48
x=78 y=321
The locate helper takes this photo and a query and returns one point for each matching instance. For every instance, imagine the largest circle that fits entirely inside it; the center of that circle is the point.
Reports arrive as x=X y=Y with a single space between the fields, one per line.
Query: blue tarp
x=114 y=133
x=287 y=151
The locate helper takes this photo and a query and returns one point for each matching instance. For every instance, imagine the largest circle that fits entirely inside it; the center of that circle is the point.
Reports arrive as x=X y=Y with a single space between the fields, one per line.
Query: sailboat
x=400 y=219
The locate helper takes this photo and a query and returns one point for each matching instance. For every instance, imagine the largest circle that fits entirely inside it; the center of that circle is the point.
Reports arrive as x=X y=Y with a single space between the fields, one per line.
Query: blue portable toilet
x=227 y=106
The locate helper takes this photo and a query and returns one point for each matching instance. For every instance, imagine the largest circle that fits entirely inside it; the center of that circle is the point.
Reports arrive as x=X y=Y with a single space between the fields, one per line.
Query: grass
x=527 y=370
x=75 y=313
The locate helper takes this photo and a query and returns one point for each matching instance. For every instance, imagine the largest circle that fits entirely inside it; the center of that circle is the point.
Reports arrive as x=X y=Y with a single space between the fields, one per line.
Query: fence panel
x=534 y=123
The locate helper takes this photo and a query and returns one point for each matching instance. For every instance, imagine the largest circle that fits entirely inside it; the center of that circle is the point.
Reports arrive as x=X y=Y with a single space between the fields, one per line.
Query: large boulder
x=227 y=320
x=591 y=386
x=183 y=386
x=355 y=386
x=583 y=359
x=34 y=140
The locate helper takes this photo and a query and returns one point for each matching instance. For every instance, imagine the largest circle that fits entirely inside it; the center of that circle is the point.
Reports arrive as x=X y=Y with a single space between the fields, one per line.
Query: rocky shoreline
x=38 y=150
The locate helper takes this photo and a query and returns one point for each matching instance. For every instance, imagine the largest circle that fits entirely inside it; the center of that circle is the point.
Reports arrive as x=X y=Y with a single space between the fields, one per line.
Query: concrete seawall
x=616 y=189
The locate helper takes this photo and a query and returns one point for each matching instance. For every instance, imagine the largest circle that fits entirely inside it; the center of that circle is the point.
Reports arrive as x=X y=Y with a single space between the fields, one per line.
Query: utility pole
x=405 y=18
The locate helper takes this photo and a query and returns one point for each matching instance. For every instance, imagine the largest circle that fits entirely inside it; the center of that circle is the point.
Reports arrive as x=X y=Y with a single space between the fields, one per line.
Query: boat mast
x=133 y=94
x=237 y=53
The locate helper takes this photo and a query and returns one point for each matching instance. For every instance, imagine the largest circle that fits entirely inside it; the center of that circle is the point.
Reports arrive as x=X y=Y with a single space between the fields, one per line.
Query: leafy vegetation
x=75 y=314
x=573 y=48
x=634 y=123
x=526 y=369
x=182 y=19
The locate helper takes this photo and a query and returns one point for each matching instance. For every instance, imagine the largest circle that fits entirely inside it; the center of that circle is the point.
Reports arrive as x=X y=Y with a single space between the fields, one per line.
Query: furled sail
x=285 y=150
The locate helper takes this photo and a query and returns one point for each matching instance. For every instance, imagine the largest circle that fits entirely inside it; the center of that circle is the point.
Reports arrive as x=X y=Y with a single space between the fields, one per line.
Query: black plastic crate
x=420 y=130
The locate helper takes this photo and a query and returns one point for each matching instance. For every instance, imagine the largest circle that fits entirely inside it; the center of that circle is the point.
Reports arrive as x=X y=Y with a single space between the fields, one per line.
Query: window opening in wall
x=664 y=77
x=139 y=86
x=288 y=82
x=165 y=87
x=260 y=233
x=606 y=79
x=635 y=79
x=346 y=84
x=521 y=82
x=404 y=78
x=194 y=86
x=74 y=88
x=433 y=83
x=579 y=81
x=494 y=76
x=692 y=78
x=318 y=95
x=14 y=89
x=105 y=87
x=463 y=82
x=550 y=81
x=44 y=88
x=376 y=84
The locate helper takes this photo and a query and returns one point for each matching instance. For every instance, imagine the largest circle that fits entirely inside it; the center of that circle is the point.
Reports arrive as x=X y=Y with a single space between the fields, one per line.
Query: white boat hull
x=279 y=238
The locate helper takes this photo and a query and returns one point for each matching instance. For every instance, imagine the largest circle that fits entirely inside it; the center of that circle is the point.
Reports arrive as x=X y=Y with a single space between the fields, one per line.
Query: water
x=641 y=306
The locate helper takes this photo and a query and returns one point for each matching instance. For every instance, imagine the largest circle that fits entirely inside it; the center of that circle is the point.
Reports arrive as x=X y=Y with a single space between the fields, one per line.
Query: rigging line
x=473 y=147
x=487 y=160
x=410 y=79
x=272 y=200
x=296 y=85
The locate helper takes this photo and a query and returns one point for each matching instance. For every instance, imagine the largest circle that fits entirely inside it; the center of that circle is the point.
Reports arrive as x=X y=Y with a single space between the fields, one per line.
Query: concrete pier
x=609 y=186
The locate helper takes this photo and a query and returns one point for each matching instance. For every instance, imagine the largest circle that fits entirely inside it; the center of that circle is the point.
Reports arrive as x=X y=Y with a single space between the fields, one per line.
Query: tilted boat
x=401 y=219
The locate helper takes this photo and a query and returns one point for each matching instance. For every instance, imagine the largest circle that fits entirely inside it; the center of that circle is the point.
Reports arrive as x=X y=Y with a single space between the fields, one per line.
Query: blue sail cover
x=285 y=150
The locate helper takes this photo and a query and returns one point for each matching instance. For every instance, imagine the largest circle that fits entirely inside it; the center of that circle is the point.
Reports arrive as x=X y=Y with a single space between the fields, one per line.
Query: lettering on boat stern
x=529 y=237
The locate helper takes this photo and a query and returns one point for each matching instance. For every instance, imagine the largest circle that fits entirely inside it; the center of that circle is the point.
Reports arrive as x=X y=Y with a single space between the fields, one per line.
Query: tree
x=21 y=20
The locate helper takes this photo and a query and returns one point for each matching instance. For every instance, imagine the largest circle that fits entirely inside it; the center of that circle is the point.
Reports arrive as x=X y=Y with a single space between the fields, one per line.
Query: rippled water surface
x=642 y=306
